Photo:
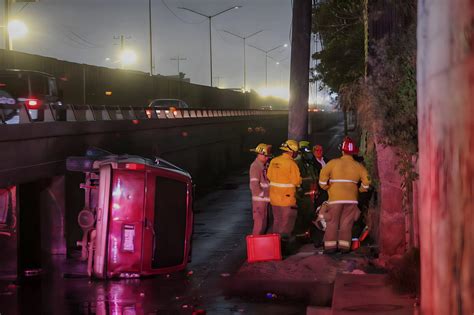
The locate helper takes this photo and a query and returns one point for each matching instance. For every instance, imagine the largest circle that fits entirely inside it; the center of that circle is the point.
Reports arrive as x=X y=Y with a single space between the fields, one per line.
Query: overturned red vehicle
x=138 y=216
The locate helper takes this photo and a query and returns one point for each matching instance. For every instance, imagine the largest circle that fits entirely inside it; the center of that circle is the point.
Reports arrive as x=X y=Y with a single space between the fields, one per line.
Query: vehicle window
x=183 y=105
x=165 y=103
x=16 y=85
x=39 y=85
x=4 y=205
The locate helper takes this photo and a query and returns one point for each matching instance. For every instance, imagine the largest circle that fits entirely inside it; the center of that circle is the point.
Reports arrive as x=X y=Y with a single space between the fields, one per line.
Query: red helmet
x=349 y=147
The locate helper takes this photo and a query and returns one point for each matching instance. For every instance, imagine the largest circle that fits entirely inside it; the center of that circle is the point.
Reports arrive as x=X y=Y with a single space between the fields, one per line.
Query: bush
x=404 y=276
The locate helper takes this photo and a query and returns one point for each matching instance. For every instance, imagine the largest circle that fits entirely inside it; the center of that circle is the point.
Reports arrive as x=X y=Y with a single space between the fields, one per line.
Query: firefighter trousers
x=284 y=220
x=305 y=214
x=339 y=219
x=260 y=217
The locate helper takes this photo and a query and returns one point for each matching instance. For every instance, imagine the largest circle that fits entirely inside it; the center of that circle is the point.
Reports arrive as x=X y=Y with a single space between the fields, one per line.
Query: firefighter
x=284 y=177
x=307 y=193
x=340 y=177
x=259 y=186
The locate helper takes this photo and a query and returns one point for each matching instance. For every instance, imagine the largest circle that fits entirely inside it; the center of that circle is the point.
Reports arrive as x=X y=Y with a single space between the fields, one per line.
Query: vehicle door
x=168 y=222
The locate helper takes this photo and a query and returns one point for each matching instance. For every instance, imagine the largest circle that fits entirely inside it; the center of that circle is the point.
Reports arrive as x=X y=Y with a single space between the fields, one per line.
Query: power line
x=23 y=7
x=81 y=45
x=83 y=39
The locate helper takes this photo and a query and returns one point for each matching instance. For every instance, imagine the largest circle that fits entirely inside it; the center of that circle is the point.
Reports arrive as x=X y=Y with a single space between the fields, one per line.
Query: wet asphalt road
x=223 y=218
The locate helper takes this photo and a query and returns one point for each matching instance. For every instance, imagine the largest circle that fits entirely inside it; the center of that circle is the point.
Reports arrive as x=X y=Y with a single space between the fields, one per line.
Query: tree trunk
x=299 y=76
x=445 y=68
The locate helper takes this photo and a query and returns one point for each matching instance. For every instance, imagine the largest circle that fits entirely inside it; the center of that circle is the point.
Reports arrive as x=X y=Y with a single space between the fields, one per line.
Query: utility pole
x=210 y=29
x=122 y=39
x=151 y=38
x=178 y=59
x=299 y=75
x=244 y=38
x=6 y=19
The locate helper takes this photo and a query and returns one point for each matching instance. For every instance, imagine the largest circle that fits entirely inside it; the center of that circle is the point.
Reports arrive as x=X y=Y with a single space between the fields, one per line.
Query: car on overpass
x=33 y=89
x=165 y=106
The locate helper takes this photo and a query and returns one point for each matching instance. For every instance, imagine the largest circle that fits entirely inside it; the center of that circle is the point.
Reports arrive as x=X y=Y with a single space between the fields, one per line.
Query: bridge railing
x=20 y=114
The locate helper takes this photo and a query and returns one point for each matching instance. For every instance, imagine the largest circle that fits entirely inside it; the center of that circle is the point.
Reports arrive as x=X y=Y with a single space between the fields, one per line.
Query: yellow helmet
x=305 y=146
x=262 y=148
x=289 y=146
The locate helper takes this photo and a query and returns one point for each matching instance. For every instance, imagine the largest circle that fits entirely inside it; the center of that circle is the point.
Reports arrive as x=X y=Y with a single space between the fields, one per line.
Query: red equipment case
x=263 y=247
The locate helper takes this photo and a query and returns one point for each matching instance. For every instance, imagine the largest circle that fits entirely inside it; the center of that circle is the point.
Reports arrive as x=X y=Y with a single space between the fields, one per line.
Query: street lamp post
x=244 y=38
x=266 y=52
x=210 y=29
x=151 y=37
x=279 y=65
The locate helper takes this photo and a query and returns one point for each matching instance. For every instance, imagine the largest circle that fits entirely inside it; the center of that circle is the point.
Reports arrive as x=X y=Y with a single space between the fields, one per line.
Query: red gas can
x=263 y=247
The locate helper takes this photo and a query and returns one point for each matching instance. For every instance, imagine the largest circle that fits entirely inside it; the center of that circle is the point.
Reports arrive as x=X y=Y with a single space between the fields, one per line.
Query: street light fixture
x=244 y=38
x=14 y=29
x=266 y=52
x=210 y=31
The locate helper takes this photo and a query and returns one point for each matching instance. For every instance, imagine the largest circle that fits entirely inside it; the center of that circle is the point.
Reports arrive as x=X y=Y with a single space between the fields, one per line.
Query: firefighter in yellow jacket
x=284 y=177
x=259 y=188
x=340 y=177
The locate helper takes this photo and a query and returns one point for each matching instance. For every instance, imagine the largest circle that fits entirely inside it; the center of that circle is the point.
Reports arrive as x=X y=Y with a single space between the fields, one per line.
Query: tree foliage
x=340 y=26
x=386 y=99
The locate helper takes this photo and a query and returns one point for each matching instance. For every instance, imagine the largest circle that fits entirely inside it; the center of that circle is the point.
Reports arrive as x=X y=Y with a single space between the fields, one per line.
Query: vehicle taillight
x=31 y=103
x=134 y=166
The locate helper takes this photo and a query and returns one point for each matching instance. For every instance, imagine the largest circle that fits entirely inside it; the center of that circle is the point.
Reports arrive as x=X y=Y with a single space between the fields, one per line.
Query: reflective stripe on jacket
x=259 y=184
x=284 y=177
x=340 y=178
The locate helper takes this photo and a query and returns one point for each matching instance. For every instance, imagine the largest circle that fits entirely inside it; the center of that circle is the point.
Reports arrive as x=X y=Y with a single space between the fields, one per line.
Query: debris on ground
x=355 y=272
x=271 y=296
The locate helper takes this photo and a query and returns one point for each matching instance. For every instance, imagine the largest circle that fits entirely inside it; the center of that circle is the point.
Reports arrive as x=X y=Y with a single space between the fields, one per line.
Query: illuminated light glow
x=128 y=57
x=115 y=206
x=134 y=166
x=286 y=45
x=279 y=92
x=32 y=103
x=108 y=93
x=17 y=29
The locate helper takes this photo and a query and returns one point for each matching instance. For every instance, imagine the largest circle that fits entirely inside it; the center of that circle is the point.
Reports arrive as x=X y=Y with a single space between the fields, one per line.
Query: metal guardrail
x=21 y=114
